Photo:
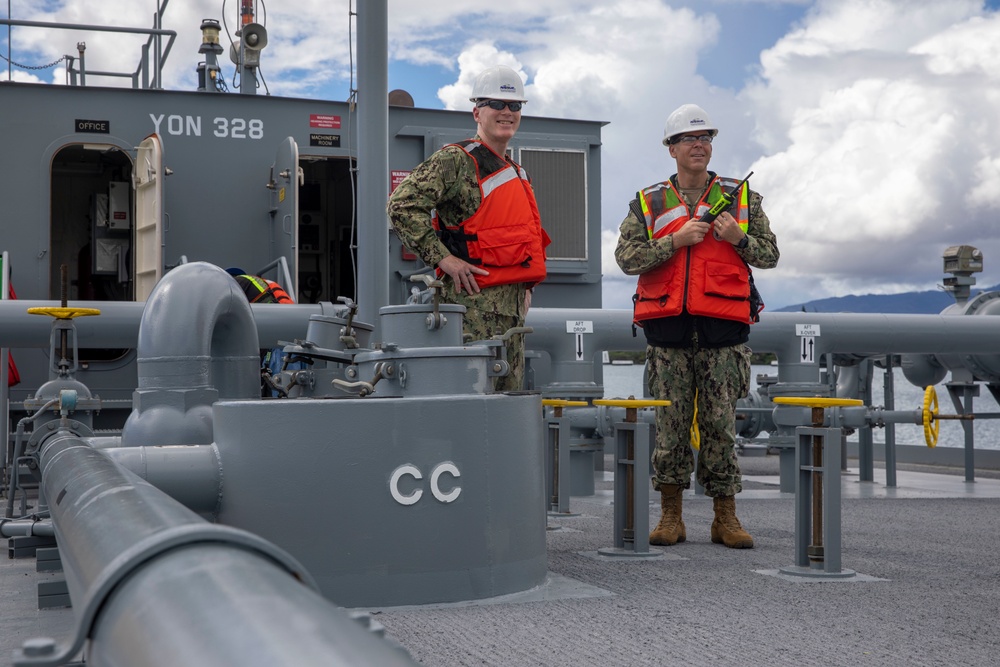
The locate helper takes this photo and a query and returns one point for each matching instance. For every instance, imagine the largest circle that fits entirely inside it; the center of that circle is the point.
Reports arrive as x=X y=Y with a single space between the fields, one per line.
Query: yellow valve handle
x=630 y=402
x=695 y=434
x=62 y=312
x=817 y=401
x=932 y=426
x=562 y=403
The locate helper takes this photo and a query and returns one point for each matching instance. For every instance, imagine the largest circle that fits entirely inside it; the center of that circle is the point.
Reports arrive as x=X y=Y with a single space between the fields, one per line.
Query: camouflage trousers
x=721 y=377
x=484 y=324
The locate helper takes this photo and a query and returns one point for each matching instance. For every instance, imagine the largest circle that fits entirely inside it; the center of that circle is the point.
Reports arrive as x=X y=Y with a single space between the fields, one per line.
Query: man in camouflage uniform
x=695 y=302
x=449 y=185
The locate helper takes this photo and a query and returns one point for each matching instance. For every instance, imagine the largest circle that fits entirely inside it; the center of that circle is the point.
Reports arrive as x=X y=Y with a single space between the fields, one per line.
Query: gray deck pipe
x=190 y=474
x=26 y=528
x=118 y=324
x=861 y=334
x=197 y=343
x=601 y=419
x=153 y=584
x=871 y=335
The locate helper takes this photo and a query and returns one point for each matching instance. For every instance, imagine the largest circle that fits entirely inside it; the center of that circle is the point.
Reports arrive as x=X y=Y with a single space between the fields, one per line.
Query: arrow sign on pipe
x=808 y=349
x=578 y=328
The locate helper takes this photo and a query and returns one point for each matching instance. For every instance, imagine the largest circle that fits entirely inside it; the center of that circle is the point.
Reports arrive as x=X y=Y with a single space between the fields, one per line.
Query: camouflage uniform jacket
x=446 y=181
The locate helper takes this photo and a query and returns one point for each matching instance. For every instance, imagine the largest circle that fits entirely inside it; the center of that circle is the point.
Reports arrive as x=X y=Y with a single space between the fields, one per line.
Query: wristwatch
x=744 y=242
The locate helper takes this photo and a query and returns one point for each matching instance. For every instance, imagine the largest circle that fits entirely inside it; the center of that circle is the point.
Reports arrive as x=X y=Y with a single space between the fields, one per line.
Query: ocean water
x=622 y=381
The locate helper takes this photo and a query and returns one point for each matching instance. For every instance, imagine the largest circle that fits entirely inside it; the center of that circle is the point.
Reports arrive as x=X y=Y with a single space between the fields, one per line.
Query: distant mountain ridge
x=930 y=302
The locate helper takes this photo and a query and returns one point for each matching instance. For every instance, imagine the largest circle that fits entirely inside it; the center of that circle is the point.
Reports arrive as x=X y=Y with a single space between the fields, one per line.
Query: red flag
x=13 y=377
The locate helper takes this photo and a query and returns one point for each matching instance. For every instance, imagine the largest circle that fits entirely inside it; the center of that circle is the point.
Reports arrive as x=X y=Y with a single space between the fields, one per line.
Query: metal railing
x=146 y=75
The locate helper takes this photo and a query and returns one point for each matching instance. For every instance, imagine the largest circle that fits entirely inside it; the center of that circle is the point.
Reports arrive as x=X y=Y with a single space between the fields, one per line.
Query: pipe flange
x=45 y=431
x=977 y=302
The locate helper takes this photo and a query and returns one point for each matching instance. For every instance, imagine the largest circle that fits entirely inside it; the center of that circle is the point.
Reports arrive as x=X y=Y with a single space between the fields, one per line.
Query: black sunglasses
x=498 y=105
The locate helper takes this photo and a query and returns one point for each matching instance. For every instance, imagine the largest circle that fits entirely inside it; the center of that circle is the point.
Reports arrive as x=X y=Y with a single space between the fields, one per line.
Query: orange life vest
x=708 y=278
x=505 y=235
x=262 y=290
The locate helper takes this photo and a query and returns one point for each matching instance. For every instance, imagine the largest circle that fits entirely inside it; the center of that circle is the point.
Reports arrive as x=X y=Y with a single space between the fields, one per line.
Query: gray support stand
x=53 y=594
x=583 y=462
x=786 y=469
x=866 y=455
x=47 y=560
x=557 y=476
x=27 y=546
x=866 y=446
x=631 y=494
x=962 y=394
x=817 y=499
x=890 y=428
x=558 y=462
x=699 y=490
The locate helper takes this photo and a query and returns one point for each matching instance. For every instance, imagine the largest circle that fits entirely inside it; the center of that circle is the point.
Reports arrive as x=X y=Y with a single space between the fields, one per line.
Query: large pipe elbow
x=197 y=343
x=196 y=329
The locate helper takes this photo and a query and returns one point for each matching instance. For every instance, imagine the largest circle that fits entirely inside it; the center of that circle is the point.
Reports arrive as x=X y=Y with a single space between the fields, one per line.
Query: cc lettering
x=440 y=469
x=410 y=470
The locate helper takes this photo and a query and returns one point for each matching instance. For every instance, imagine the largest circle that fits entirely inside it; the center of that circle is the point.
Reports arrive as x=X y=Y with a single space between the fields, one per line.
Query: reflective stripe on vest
x=278 y=292
x=496 y=180
x=663 y=206
x=261 y=290
x=256 y=282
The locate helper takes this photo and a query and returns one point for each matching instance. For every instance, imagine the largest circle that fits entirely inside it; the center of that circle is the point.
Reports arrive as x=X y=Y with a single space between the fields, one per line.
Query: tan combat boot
x=670 y=530
x=726 y=528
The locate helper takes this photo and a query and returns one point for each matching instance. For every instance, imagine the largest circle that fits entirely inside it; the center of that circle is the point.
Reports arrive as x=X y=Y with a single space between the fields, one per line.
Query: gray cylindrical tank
x=422 y=325
x=427 y=371
x=392 y=501
x=926 y=369
x=328 y=331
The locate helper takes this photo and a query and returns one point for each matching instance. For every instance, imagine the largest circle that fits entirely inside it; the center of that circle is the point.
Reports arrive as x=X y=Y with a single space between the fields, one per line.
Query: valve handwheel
x=631 y=402
x=932 y=425
x=818 y=401
x=64 y=312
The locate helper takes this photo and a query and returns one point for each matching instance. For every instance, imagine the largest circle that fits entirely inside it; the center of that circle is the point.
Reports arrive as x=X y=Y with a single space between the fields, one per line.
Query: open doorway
x=91 y=230
x=91 y=224
x=327 y=239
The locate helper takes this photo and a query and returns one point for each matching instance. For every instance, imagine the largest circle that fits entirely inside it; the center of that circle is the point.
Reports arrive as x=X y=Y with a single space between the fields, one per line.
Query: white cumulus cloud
x=869 y=124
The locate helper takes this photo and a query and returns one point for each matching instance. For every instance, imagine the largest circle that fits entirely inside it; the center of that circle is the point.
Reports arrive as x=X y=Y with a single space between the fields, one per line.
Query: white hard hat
x=498 y=83
x=687 y=118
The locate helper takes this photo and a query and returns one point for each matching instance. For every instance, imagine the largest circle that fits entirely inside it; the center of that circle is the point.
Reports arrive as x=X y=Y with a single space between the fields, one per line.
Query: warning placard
x=324 y=121
x=396 y=177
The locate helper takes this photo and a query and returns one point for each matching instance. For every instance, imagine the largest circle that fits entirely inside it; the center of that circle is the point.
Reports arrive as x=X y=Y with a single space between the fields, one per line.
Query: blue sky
x=869 y=124
x=745 y=30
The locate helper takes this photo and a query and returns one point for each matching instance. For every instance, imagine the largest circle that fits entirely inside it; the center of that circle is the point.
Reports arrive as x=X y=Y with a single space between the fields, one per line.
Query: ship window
x=559 y=178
